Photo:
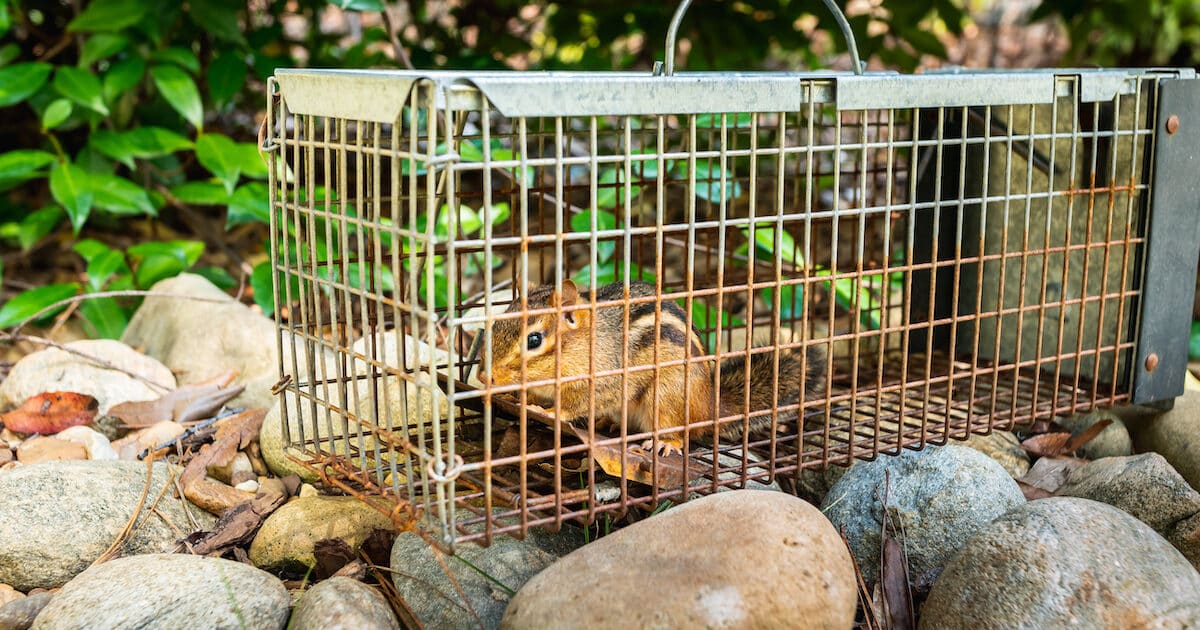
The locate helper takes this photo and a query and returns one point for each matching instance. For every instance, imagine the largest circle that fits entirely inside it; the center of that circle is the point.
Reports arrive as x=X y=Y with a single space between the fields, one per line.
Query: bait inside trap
x=965 y=251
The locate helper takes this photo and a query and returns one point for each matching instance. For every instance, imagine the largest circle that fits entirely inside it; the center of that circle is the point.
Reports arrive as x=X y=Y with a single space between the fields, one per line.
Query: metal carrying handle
x=673 y=30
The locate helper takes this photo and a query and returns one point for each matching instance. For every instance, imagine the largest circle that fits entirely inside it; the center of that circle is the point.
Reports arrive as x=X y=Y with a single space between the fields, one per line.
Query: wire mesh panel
x=516 y=300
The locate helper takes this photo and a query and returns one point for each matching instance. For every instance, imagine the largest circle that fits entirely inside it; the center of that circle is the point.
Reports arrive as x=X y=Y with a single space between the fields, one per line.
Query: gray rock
x=941 y=495
x=54 y=370
x=1144 y=485
x=19 y=614
x=169 y=591
x=342 y=603
x=1113 y=441
x=1061 y=562
x=286 y=539
x=1005 y=448
x=234 y=337
x=745 y=559
x=1175 y=434
x=1185 y=536
x=421 y=581
x=56 y=518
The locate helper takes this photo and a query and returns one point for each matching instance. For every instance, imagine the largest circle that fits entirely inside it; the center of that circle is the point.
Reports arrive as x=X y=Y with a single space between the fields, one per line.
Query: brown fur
x=657 y=397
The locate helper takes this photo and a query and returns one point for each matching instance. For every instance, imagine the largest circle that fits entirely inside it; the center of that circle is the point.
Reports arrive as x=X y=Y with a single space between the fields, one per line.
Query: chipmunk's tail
x=796 y=367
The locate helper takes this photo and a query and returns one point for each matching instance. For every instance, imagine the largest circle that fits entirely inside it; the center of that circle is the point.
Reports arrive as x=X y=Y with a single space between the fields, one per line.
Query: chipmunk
x=571 y=333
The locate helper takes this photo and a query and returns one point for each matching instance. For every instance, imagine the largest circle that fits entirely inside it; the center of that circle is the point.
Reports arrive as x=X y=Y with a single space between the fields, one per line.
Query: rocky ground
x=223 y=530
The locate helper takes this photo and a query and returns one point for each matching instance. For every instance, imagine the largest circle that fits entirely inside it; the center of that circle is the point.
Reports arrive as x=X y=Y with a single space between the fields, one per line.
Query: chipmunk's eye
x=533 y=340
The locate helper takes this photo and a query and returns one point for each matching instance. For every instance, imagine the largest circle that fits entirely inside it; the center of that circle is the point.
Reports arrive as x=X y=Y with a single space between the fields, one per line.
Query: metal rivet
x=1172 y=123
x=1151 y=362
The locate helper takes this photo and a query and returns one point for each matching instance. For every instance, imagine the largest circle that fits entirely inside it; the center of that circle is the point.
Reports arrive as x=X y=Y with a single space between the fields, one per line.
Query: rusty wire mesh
x=960 y=268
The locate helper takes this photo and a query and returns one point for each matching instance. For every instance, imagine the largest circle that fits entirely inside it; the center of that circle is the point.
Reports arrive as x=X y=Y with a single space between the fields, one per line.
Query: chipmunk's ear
x=569 y=297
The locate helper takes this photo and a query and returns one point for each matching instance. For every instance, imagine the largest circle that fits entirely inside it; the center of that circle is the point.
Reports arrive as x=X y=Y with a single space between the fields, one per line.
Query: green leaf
x=36 y=225
x=261 y=284
x=219 y=155
x=790 y=300
x=201 y=193
x=358 y=5
x=764 y=238
x=159 y=260
x=55 y=114
x=102 y=267
x=143 y=142
x=21 y=80
x=249 y=204
x=180 y=92
x=219 y=19
x=181 y=57
x=708 y=182
x=186 y=252
x=226 y=75
x=71 y=187
x=82 y=87
x=251 y=163
x=713 y=121
x=217 y=276
x=30 y=302
x=121 y=196
x=582 y=223
x=106 y=317
x=122 y=76
x=20 y=165
x=102 y=46
x=5 y=25
x=1194 y=342
x=90 y=248
x=8 y=53
x=109 y=15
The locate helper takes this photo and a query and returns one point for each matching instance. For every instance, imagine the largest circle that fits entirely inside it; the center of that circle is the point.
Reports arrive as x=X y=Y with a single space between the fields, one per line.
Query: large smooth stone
x=941 y=495
x=169 y=591
x=1065 y=562
x=395 y=403
x=488 y=576
x=1174 y=434
x=1113 y=440
x=1143 y=485
x=746 y=559
x=286 y=540
x=201 y=339
x=54 y=370
x=342 y=603
x=56 y=518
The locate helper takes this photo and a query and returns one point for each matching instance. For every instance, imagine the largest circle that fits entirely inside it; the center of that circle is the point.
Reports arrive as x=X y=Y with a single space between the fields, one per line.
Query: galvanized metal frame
x=877 y=180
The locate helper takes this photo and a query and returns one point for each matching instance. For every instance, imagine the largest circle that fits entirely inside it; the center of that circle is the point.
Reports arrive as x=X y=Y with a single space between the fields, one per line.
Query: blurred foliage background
x=127 y=143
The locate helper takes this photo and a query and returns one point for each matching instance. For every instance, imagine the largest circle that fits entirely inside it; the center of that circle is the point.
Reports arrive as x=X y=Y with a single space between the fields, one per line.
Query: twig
x=95 y=359
x=111 y=552
x=401 y=54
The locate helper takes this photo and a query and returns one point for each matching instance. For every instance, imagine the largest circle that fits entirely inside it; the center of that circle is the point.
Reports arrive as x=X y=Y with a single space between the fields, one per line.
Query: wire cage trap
x=848 y=264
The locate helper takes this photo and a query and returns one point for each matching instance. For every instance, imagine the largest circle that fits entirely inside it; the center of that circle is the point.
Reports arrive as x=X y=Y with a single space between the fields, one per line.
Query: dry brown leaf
x=239 y=524
x=51 y=412
x=893 y=577
x=1085 y=436
x=1050 y=473
x=1046 y=444
x=233 y=434
x=1032 y=492
x=184 y=404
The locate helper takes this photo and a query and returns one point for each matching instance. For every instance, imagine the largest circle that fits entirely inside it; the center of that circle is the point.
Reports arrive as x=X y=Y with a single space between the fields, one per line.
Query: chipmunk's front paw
x=666 y=446
x=540 y=409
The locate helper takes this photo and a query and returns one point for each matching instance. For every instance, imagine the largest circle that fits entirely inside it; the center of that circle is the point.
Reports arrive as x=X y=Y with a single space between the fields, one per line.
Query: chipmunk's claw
x=666 y=446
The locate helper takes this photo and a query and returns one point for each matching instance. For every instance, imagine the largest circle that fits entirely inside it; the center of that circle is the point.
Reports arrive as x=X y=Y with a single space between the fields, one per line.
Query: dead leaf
x=1085 y=436
x=1032 y=492
x=1046 y=444
x=233 y=434
x=331 y=555
x=51 y=412
x=239 y=524
x=1050 y=473
x=356 y=570
x=893 y=577
x=184 y=404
